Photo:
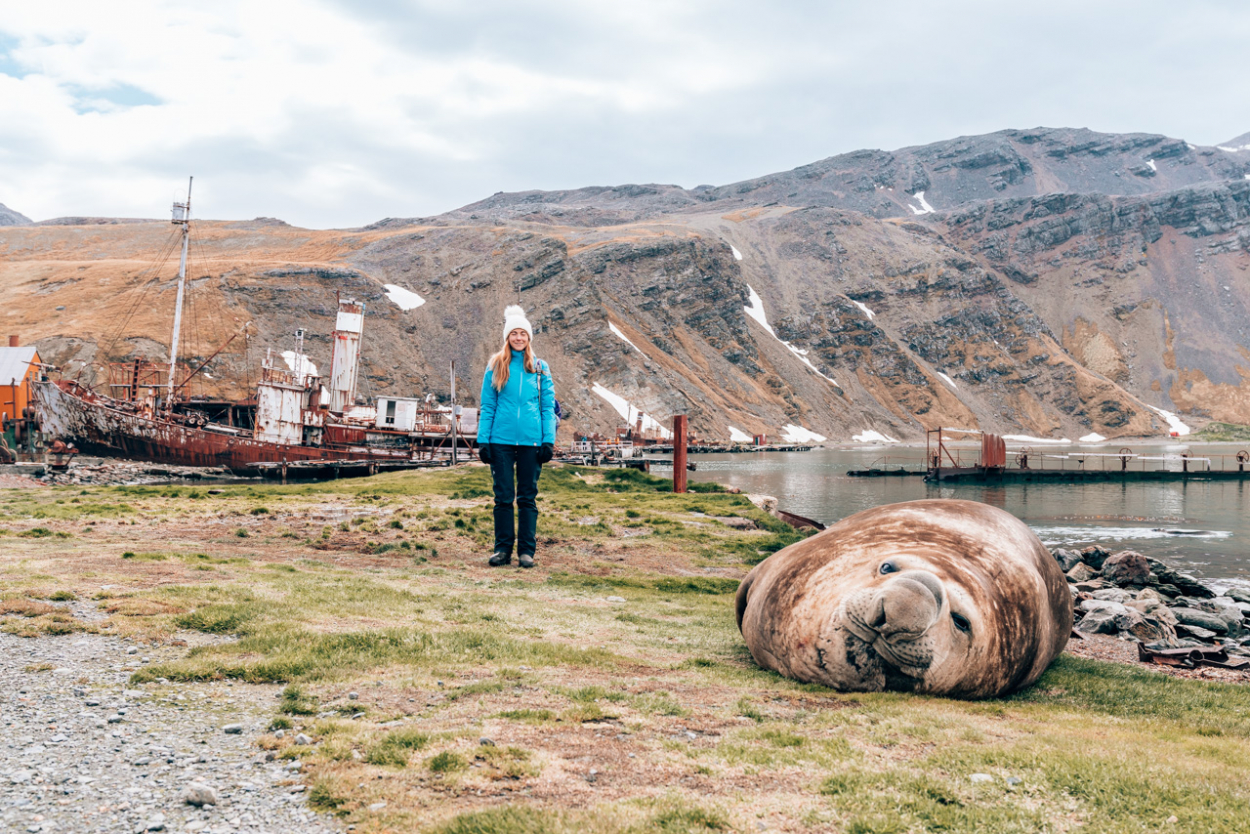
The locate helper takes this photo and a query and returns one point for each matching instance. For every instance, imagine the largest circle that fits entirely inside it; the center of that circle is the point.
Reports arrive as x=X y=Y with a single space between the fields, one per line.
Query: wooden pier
x=994 y=465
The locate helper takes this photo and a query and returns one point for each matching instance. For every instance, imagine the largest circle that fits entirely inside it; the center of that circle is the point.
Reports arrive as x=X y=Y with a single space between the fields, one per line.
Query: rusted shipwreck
x=296 y=419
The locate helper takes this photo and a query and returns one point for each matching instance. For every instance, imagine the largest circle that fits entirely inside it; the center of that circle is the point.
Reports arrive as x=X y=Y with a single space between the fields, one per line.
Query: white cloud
x=334 y=113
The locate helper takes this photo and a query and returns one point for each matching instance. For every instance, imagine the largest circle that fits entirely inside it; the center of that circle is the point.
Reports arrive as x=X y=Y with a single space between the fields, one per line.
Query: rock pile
x=1139 y=598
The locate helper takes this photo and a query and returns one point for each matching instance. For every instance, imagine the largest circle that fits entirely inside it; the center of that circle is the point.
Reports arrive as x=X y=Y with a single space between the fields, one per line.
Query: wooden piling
x=679 y=453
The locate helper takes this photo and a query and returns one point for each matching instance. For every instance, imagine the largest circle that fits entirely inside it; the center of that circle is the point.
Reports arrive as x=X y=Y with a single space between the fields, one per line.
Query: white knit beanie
x=513 y=318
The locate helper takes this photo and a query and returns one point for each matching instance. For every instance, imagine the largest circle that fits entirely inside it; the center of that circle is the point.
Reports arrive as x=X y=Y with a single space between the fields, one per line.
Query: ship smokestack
x=345 y=358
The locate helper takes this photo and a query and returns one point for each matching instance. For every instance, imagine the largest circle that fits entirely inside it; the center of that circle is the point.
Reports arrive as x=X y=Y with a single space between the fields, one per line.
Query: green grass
x=1129 y=692
x=447 y=761
x=663 y=584
x=282 y=654
x=1216 y=432
x=528 y=716
x=395 y=748
x=541 y=663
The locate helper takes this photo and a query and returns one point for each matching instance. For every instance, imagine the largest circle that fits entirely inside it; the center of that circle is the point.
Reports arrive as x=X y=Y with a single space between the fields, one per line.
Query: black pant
x=515 y=470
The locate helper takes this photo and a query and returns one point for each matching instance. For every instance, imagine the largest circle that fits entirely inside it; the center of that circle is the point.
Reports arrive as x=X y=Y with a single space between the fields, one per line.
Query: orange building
x=18 y=367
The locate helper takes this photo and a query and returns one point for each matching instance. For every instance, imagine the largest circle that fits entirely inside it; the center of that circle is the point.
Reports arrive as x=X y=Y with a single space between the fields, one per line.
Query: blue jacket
x=523 y=413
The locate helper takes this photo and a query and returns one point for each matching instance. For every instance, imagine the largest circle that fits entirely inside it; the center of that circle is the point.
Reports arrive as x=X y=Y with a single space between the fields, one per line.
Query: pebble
x=232 y=729
x=981 y=777
x=87 y=752
x=199 y=795
x=616 y=599
x=303 y=739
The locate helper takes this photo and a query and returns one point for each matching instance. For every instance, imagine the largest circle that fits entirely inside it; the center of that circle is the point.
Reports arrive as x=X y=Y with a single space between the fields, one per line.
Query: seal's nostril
x=878 y=618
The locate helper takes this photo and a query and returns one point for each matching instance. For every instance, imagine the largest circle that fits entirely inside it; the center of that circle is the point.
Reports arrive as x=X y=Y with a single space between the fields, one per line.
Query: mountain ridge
x=815 y=297
x=9 y=217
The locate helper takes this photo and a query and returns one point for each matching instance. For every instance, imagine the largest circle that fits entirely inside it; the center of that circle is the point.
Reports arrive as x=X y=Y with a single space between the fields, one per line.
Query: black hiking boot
x=500 y=559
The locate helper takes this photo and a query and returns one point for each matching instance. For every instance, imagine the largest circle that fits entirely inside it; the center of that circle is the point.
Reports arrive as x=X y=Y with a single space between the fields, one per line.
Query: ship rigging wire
x=140 y=294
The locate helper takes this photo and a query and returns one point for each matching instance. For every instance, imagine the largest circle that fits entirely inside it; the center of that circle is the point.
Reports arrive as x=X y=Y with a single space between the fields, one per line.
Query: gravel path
x=82 y=751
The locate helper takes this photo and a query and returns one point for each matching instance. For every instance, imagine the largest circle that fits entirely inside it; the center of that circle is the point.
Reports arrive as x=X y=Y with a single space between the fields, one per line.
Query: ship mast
x=182 y=217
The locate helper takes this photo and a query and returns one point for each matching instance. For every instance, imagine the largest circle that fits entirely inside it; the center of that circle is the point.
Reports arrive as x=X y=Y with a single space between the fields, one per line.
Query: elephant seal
x=943 y=597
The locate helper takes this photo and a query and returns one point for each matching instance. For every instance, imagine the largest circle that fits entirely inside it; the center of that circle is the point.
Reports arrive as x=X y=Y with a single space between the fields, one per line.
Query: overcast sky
x=333 y=113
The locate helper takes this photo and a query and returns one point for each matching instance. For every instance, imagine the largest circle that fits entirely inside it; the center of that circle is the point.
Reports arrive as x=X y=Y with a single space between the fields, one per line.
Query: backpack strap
x=541 y=370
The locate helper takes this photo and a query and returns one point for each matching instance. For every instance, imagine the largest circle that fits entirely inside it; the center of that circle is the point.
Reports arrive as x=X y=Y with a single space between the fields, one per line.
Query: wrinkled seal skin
x=951 y=598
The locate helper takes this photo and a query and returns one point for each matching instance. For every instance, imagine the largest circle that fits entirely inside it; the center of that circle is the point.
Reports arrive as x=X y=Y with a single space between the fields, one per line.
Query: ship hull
x=96 y=426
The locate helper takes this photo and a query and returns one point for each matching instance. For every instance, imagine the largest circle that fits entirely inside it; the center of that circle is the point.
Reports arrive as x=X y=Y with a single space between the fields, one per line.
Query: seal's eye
x=888 y=567
x=961 y=622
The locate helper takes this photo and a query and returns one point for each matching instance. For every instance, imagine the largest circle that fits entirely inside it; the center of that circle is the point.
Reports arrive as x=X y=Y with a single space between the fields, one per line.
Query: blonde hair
x=500 y=363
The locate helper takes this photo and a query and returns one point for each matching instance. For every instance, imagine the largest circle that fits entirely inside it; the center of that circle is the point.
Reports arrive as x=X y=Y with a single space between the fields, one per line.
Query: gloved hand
x=483 y=452
x=546 y=452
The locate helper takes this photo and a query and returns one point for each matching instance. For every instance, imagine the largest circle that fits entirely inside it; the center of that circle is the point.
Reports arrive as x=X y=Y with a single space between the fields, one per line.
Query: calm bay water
x=1116 y=516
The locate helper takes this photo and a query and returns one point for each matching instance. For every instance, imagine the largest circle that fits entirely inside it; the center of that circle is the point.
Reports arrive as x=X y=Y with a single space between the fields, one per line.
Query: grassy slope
x=611 y=679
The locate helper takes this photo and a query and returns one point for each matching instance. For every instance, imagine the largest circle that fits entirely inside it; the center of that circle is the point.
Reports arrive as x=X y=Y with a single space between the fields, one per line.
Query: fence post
x=679 y=453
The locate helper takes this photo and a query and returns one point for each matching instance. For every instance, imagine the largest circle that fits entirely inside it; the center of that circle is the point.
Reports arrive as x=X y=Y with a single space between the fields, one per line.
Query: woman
x=516 y=435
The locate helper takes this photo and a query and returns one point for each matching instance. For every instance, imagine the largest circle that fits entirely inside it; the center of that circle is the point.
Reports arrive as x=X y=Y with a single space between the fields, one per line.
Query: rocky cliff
x=1046 y=282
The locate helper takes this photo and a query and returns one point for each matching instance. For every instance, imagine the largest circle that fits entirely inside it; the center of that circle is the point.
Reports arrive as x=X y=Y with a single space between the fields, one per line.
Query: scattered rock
x=1081 y=573
x=1095 y=556
x=303 y=740
x=199 y=795
x=1109 y=618
x=232 y=729
x=1201 y=634
x=1201 y=619
x=1067 y=559
x=1126 y=568
x=981 y=778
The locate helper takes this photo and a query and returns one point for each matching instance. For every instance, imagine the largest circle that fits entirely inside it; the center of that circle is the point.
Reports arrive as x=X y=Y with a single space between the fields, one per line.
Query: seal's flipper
x=744 y=591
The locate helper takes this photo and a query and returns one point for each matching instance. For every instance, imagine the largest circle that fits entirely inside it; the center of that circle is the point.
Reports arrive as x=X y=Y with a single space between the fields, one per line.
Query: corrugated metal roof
x=14 y=363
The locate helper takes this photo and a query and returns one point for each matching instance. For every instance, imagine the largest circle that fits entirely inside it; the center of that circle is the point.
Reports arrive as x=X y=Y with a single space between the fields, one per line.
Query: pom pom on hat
x=514 y=318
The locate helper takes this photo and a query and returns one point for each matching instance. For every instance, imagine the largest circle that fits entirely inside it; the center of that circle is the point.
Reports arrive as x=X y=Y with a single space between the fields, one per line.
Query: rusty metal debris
x=60 y=454
x=798 y=521
x=1190 y=657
